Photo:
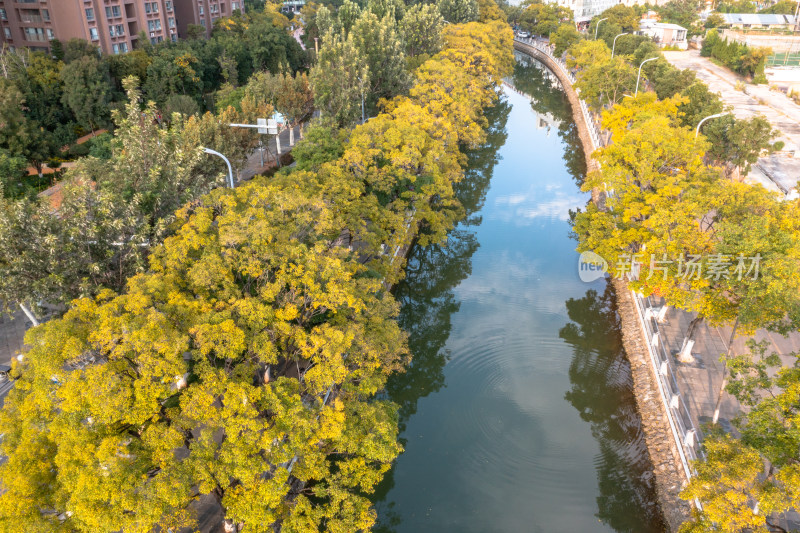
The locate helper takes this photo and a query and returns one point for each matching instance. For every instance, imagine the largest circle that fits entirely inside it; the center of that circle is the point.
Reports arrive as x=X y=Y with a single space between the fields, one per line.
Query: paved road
x=700 y=381
x=777 y=172
x=12 y=331
x=254 y=166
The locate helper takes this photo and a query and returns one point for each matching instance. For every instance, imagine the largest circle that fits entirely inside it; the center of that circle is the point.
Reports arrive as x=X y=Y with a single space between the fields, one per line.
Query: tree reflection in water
x=602 y=393
x=427 y=299
x=547 y=98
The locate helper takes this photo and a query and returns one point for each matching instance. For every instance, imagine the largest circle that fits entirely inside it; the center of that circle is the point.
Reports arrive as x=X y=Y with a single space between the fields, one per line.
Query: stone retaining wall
x=662 y=449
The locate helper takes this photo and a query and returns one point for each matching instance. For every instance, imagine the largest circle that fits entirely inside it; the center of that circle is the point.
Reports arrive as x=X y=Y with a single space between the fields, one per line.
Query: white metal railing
x=686 y=435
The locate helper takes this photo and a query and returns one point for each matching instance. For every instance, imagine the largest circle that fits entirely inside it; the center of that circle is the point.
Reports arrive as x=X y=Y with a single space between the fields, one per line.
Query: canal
x=516 y=413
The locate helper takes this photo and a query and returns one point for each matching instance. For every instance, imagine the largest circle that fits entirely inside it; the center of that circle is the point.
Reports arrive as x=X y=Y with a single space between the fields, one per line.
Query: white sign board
x=262 y=125
x=272 y=126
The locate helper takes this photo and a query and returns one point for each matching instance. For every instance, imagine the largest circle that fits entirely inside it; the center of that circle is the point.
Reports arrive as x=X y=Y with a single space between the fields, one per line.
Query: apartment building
x=203 y=13
x=113 y=25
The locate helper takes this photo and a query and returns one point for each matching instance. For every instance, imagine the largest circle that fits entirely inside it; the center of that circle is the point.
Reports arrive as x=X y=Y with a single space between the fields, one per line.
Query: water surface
x=516 y=412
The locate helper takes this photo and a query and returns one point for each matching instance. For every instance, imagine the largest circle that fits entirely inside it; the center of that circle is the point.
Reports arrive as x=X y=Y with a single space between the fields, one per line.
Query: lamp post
x=639 y=76
x=614 y=45
x=597 y=26
x=230 y=169
x=697 y=131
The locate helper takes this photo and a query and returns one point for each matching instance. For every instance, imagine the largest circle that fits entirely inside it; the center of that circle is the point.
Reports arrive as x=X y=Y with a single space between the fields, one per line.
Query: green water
x=516 y=412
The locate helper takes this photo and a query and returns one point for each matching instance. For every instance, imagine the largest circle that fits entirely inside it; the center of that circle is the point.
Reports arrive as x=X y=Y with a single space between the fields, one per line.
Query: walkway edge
x=658 y=435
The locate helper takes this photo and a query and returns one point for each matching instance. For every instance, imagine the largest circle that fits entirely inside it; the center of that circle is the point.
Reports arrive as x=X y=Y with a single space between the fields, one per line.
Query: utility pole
x=639 y=76
x=614 y=45
x=597 y=26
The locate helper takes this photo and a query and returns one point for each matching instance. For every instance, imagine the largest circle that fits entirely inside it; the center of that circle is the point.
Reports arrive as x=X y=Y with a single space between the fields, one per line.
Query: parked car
x=4 y=370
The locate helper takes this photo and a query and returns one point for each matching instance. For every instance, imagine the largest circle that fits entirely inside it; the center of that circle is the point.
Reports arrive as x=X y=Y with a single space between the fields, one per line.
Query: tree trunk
x=291 y=135
x=725 y=372
x=696 y=321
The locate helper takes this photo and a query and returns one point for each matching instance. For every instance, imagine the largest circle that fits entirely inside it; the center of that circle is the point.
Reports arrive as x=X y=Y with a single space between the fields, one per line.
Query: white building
x=584 y=10
x=663 y=33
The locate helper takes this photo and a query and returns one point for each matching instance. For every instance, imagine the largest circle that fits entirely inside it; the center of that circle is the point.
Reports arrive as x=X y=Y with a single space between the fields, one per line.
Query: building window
x=168 y=5
x=172 y=22
x=234 y=5
x=50 y=34
x=46 y=15
x=123 y=47
x=34 y=34
x=202 y=12
x=174 y=38
x=93 y=34
x=115 y=48
x=89 y=14
x=151 y=7
x=203 y=22
x=113 y=11
x=154 y=25
x=7 y=32
x=3 y=15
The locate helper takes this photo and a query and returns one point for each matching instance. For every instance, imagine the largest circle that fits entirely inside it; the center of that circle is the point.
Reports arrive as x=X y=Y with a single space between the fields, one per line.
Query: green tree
x=87 y=90
x=625 y=17
x=683 y=13
x=12 y=169
x=421 y=30
x=564 y=37
x=783 y=7
x=458 y=11
x=339 y=79
x=382 y=50
x=700 y=103
x=348 y=14
x=544 y=18
x=382 y=8
x=78 y=48
x=740 y=142
x=737 y=6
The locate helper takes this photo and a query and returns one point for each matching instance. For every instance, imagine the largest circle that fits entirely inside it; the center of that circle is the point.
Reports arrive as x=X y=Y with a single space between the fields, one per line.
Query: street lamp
x=230 y=170
x=597 y=26
x=697 y=131
x=638 y=77
x=614 y=45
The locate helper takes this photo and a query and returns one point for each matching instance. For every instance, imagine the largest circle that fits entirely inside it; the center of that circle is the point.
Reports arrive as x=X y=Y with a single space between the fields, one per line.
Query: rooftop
x=758 y=19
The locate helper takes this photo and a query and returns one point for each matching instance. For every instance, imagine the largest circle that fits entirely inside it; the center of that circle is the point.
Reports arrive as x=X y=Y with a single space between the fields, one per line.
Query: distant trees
x=564 y=37
x=421 y=29
x=738 y=57
x=458 y=11
x=543 y=18
x=87 y=90
x=339 y=79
